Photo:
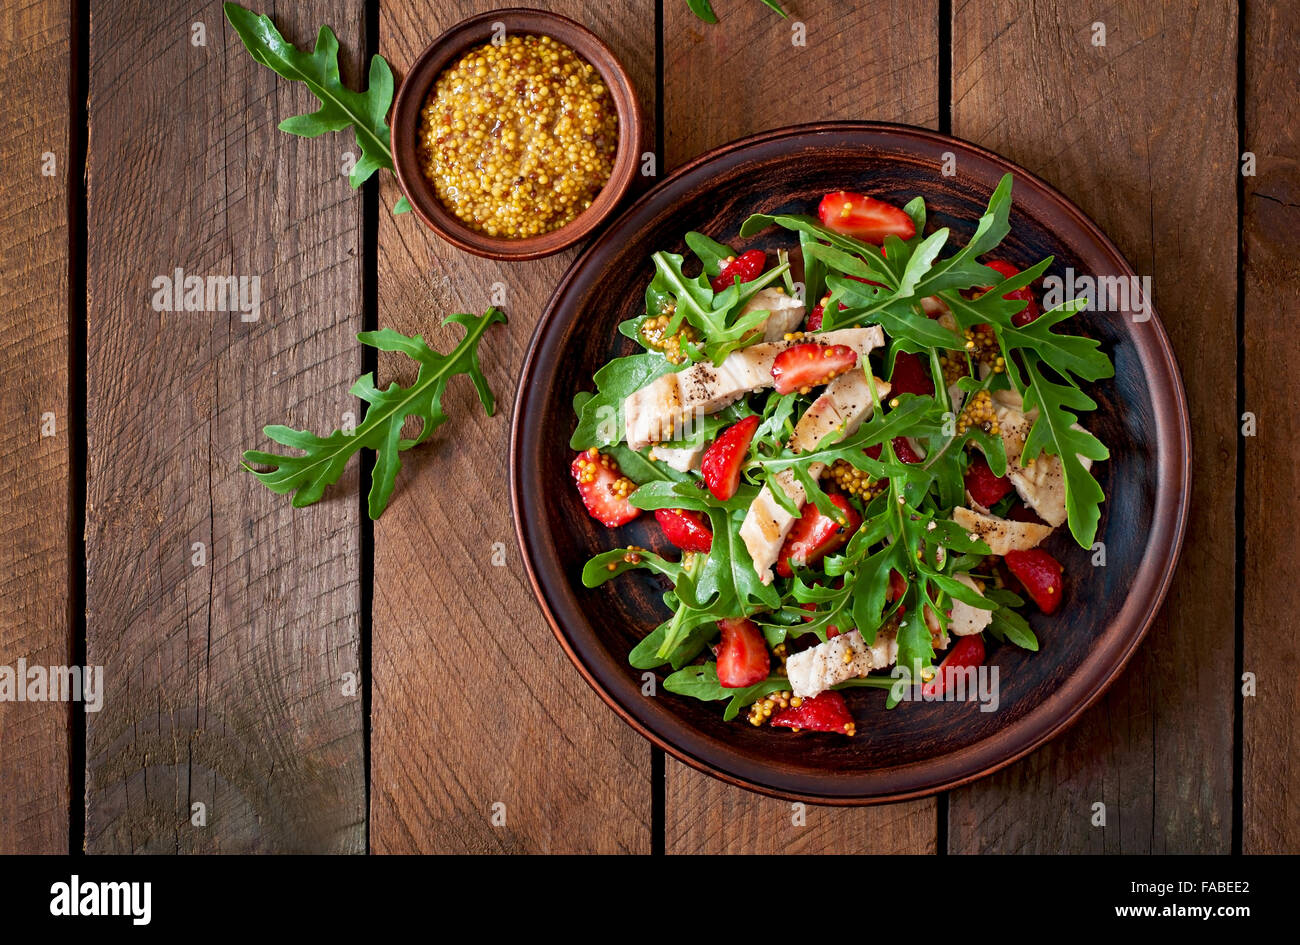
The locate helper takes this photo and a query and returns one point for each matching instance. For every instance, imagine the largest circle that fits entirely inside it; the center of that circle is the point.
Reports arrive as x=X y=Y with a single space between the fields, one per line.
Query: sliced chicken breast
x=1041 y=483
x=663 y=409
x=786 y=312
x=963 y=619
x=680 y=458
x=841 y=408
x=1000 y=534
x=841 y=657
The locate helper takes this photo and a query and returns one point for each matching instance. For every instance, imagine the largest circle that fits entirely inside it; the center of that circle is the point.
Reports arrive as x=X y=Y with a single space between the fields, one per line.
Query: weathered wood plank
x=1141 y=133
x=225 y=680
x=866 y=61
x=1271 y=748
x=35 y=620
x=474 y=703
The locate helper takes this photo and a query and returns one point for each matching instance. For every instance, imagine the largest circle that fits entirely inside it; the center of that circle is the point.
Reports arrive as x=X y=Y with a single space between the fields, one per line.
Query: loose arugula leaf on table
x=324 y=458
x=704 y=9
x=341 y=108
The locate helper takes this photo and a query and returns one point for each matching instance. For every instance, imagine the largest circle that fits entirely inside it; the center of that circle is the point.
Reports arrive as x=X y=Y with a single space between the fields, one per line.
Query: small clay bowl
x=438 y=56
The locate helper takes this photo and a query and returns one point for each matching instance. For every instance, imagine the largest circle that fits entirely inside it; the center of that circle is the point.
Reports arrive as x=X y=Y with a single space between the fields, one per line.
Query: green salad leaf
x=701 y=682
x=324 y=457
x=340 y=107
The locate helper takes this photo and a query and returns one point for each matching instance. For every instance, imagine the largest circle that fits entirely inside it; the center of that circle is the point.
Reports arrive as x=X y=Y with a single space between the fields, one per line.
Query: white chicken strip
x=680 y=458
x=842 y=407
x=661 y=410
x=786 y=312
x=963 y=619
x=1000 y=534
x=841 y=657
x=1041 y=483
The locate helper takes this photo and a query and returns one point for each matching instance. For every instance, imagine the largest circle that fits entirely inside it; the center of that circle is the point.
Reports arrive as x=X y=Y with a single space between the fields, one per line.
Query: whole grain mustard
x=519 y=137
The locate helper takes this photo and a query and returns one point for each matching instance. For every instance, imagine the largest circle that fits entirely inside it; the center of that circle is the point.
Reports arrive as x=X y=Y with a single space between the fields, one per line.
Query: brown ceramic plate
x=917 y=748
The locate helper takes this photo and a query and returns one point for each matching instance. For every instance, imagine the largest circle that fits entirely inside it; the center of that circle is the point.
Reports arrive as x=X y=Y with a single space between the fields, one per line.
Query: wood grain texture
x=34 y=468
x=1271 y=749
x=1141 y=133
x=474 y=704
x=705 y=815
x=225 y=682
x=756 y=78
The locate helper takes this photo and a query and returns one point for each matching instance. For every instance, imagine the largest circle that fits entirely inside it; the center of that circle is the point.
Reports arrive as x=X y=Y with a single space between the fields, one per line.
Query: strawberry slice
x=863 y=217
x=902 y=449
x=910 y=376
x=967 y=651
x=687 y=529
x=743 y=659
x=1040 y=574
x=746 y=267
x=604 y=488
x=816 y=315
x=897 y=588
x=1030 y=311
x=816 y=535
x=984 y=487
x=824 y=712
x=725 y=456
x=1019 y=512
x=805 y=366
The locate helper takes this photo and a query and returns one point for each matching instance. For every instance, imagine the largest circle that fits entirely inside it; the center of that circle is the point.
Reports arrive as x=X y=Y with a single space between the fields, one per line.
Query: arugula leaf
x=714 y=316
x=1055 y=431
x=1007 y=624
x=598 y=570
x=701 y=682
x=600 y=421
x=365 y=112
x=704 y=9
x=324 y=458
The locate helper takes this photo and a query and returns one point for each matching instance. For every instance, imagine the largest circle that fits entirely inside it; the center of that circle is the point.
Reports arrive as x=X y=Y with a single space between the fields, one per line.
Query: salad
x=849 y=494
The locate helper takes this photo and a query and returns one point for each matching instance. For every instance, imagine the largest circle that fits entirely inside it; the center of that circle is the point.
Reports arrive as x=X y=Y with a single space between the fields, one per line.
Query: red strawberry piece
x=863 y=217
x=966 y=652
x=831 y=630
x=816 y=315
x=824 y=712
x=604 y=488
x=1040 y=574
x=805 y=366
x=743 y=659
x=722 y=461
x=816 y=535
x=897 y=587
x=984 y=487
x=902 y=449
x=1019 y=512
x=910 y=376
x=1031 y=311
x=687 y=529
x=746 y=267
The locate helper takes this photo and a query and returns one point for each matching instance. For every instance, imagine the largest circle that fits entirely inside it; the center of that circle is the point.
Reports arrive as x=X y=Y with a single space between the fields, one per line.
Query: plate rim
x=1052 y=719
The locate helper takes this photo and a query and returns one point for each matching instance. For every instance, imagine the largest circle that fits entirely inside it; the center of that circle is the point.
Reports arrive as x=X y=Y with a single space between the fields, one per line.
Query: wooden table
x=318 y=683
